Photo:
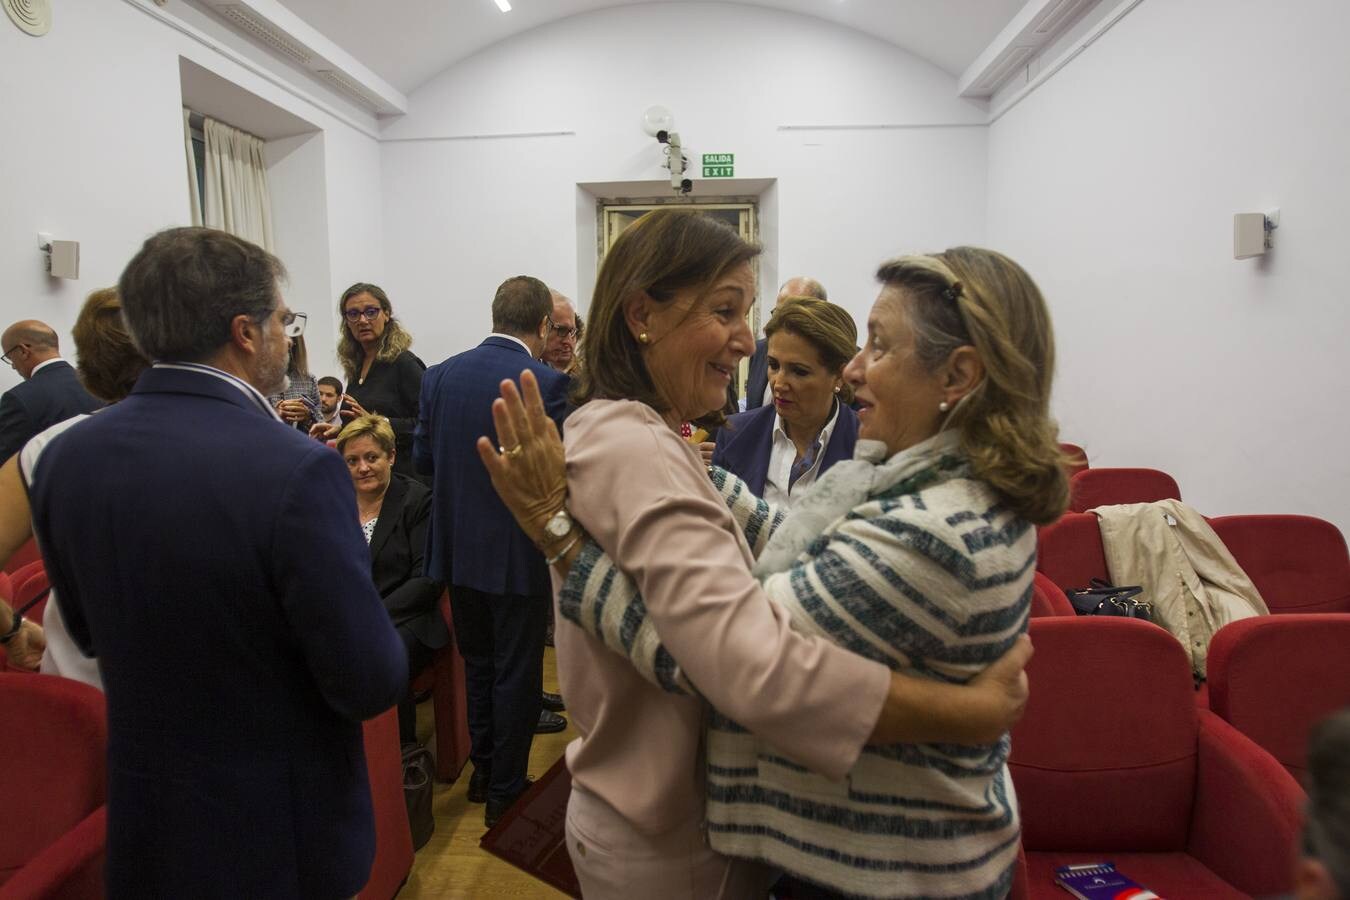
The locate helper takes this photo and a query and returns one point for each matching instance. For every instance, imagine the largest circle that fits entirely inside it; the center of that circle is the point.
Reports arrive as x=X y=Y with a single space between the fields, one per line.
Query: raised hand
x=529 y=468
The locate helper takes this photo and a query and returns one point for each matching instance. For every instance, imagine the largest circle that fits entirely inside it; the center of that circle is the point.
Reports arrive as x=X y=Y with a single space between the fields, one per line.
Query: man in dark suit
x=50 y=393
x=211 y=558
x=757 y=379
x=500 y=591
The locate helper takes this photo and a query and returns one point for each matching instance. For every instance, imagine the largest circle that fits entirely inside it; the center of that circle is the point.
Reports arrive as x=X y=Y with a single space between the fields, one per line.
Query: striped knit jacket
x=929 y=574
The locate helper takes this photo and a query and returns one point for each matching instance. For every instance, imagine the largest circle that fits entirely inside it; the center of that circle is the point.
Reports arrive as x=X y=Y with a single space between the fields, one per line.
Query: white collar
x=512 y=337
x=243 y=386
x=44 y=364
x=826 y=431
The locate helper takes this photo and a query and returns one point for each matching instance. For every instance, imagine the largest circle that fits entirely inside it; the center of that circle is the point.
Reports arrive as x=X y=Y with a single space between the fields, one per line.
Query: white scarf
x=846 y=486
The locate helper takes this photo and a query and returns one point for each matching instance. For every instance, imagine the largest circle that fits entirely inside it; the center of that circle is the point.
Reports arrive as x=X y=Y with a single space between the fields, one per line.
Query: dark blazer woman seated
x=395 y=513
x=781 y=448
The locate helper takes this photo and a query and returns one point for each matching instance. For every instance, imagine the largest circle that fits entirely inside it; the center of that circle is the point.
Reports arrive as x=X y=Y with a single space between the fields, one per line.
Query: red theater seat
x=1078 y=457
x=1274 y=677
x=1298 y=563
x=393 y=838
x=53 y=777
x=445 y=679
x=1112 y=761
x=1106 y=487
x=1048 y=600
x=1069 y=551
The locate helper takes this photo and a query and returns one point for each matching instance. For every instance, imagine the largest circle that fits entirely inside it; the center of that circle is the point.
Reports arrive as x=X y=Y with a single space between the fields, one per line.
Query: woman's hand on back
x=529 y=469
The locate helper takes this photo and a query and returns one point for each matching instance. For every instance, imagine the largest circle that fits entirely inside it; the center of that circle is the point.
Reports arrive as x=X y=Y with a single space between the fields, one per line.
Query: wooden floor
x=451 y=865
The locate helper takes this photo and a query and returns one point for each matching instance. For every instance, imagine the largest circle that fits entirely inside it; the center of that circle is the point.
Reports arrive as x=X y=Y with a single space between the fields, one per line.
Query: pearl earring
x=642 y=338
x=836 y=388
x=944 y=406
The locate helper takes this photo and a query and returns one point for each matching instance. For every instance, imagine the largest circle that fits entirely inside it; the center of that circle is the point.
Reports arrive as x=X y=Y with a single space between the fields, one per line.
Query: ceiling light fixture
x=504 y=5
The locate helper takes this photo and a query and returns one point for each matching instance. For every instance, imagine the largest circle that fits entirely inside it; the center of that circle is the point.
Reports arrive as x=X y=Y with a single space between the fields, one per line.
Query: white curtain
x=237 y=200
x=194 y=190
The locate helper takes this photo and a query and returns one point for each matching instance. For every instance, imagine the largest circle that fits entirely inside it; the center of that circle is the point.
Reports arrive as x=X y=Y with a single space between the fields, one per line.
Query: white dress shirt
x=779 y=489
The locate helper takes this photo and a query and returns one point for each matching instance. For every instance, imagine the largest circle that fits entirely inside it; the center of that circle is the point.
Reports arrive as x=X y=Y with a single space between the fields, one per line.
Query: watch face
x=560 y=524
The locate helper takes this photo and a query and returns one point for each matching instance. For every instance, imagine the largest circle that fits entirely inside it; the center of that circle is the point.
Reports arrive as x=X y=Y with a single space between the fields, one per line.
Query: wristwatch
x=558 y=525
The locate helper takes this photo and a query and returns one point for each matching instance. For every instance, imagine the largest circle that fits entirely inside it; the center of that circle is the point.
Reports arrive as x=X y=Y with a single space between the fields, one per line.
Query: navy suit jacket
x=398 y=563
x=474 y=540
x=745 y=442
x=52 y=395
x=211 y=558
x=758 y=377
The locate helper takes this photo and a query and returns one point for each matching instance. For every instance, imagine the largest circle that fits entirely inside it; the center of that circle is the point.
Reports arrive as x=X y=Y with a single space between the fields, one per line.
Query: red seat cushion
x=1298 y=563
x=1105 y=487
x=1170 y=875
x=1047 y=599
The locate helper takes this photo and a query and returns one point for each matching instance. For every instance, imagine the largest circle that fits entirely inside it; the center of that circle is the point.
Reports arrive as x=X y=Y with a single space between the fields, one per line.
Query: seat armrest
x=1248 y=811
x=69 y=867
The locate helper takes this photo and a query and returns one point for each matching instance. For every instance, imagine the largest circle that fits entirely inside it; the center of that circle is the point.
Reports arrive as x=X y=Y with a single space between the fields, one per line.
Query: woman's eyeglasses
x=370 y=313
x=293 y=324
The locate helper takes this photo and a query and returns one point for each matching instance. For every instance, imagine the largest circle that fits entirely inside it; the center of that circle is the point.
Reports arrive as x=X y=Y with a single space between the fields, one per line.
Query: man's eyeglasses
x=6 y=360
x=370 y=313
x=564 y=331
x=293 y=324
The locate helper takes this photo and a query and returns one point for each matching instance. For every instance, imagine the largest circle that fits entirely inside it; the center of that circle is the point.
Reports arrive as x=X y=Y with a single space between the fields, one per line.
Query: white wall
x=1115 y=185
x=93 y=151
x=460 y=216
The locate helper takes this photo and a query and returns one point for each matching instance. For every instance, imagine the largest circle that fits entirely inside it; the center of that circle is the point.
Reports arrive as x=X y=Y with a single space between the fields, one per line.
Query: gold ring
x=512 y=452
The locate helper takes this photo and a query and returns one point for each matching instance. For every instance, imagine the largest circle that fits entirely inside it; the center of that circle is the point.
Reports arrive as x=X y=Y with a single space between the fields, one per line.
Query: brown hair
x=108 y=361
x=393 y=341
x=299 y=361
x=377 y=427
x=665 y=251
x=828 y=328
x=969 y=296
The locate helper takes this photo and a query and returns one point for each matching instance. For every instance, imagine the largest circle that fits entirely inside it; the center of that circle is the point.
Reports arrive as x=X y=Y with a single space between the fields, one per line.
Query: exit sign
x=719 y=165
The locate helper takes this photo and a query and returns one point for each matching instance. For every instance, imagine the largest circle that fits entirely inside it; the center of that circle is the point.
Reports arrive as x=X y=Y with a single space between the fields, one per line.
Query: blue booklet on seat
x=1100 y=881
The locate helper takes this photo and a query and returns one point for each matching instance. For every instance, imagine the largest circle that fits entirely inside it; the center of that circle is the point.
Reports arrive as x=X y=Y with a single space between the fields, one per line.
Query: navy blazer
x=398 y=565
x=474 y=540
x=745 y=442
x=211 y=558
x=52 y=395
x=758 y=378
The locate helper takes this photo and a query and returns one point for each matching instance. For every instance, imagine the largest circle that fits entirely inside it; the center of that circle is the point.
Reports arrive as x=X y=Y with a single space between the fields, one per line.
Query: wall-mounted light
x=1252 y=233
x=504 y=5
x=61 y=258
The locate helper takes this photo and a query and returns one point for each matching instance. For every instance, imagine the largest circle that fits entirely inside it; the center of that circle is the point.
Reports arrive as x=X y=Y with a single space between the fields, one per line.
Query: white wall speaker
x=1249 y=235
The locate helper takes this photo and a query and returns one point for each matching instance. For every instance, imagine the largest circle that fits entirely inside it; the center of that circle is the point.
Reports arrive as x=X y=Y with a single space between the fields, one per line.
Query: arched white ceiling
x=406 y=42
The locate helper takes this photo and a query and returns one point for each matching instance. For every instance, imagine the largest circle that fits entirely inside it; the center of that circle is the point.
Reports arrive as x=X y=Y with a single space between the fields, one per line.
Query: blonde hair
x=828 y=328
x=969 y=296
x=377 y=427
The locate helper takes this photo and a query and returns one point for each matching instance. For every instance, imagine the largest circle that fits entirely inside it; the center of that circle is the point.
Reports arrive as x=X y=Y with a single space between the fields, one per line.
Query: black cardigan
x=392 y=389
x=397 y=550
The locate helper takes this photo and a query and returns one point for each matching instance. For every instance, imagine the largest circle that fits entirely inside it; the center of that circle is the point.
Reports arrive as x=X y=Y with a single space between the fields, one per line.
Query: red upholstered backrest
x=1105 y=756
x=1298 y=563
x=1105 y=487
x=393 y=839
x=23 y=556
x=1274 y=677
x=1070 y=551
x=1079 y=460
x=1047 y=599
x=52 y=761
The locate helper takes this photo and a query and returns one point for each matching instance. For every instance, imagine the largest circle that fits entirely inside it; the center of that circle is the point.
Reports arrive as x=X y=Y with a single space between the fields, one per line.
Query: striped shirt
x=931 y=575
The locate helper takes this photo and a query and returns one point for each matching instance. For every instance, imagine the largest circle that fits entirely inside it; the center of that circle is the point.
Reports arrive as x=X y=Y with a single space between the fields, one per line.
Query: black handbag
x=418 y=767
x=1105 y=599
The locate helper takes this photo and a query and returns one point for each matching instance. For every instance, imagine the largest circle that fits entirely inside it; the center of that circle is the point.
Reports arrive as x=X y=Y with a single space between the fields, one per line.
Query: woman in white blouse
x=781 y=448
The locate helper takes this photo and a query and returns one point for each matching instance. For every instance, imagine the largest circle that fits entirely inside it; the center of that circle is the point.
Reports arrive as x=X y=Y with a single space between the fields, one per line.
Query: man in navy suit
x=757 y=379
x=500 y=591
x=211 y=558
x=50 y=393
